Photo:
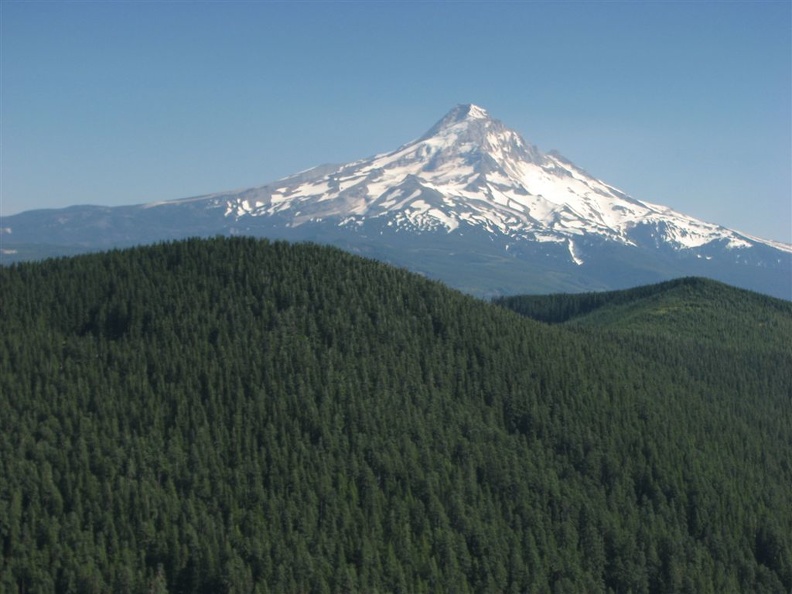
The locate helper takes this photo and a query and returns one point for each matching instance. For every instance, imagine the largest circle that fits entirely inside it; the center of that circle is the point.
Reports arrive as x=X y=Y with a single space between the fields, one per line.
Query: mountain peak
x=465 y=111
x=462 y=113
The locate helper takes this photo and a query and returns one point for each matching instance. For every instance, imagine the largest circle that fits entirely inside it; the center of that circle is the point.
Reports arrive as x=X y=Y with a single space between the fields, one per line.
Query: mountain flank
x=232 y=415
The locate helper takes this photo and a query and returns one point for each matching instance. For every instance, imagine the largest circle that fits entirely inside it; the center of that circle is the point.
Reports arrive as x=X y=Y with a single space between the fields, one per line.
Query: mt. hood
x=469 y=202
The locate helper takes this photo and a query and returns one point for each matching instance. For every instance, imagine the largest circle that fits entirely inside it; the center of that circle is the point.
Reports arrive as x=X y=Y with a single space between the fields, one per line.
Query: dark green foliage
x=243 y=416
x=648 y=307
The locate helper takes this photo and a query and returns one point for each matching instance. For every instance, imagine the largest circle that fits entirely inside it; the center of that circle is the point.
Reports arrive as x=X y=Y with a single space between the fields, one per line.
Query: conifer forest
x=239 y=415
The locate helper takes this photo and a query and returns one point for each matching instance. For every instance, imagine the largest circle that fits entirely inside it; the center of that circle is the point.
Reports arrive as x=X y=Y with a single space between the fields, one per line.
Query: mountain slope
x=469 y=188
x=225 y=415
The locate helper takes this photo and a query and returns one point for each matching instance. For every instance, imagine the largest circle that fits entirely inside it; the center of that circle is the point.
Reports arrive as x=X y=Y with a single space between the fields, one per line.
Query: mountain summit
x=461 y=113
x=470 y=193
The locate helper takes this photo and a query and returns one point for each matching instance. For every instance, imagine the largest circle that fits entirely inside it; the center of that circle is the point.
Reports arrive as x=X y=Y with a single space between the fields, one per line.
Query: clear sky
x=681 y=103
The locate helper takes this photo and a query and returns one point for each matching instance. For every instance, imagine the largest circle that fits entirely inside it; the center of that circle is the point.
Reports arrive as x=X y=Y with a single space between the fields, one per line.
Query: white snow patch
x=450 y=222
x=575 y=258
x=736 y=242
x=277 y=198
x=477 y=112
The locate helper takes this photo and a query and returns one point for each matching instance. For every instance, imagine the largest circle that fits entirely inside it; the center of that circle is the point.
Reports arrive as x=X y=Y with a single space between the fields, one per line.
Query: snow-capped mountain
x=470 y=192
x=470 y=170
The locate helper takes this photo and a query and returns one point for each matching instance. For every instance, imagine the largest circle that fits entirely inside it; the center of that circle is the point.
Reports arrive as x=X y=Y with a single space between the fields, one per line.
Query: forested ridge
x=236 y=415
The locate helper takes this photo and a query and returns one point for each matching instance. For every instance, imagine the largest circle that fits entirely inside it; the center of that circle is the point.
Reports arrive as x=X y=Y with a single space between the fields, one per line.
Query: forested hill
x=683 y=298
x=233 y=415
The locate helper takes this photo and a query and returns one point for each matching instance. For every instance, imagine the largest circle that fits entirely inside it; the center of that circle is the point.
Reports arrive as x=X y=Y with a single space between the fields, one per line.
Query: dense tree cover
x=636 y=306
x=243 y=416
x=694 y=325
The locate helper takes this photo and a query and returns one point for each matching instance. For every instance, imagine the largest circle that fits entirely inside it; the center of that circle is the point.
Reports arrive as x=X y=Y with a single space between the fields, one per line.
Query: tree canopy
x=237 y=415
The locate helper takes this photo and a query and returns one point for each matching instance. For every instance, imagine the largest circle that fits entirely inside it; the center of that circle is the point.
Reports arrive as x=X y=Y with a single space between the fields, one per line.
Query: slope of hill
x=732 y=340
x=692 y=307
x=236 y=415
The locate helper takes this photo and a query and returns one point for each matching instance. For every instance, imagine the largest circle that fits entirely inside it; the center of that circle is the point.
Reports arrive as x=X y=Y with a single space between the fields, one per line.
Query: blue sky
x=686 y=104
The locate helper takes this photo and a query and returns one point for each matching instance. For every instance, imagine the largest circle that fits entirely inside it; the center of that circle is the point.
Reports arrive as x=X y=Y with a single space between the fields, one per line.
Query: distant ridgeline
x=234 y=415
x=689 y=294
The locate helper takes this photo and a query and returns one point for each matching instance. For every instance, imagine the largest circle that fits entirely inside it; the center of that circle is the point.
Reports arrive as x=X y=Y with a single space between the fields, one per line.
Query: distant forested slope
x=233 y=415
x=728 y=305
